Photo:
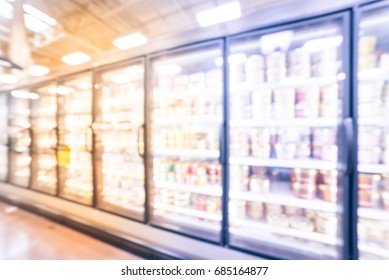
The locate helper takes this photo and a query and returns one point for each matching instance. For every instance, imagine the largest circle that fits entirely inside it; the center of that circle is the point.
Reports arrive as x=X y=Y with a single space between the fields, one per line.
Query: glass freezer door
x=20 y=138
x=44 y=140
x=119 y=144
x=187 y=117
x=3 y=137
x=74 y=152
x=373 y=135
x=285 y=95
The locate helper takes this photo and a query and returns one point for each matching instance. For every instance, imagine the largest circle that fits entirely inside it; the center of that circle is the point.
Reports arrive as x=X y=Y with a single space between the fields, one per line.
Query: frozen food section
x=285 y=109
x=3 y=137
x=119 y=140
x=44 y=143
x=74 y=152
x=373 y=137
x=187 y=118
x=19 y=130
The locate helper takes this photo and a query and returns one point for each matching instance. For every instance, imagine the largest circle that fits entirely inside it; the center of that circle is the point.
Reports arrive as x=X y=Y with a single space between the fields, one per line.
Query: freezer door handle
x=88 y=136
x=349 y=134
x=140 y=128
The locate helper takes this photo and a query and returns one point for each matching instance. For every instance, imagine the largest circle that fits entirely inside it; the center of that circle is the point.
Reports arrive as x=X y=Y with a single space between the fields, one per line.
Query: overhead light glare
x=75 y=58
x=120 y=79
x=219 y=14
x=321 y=44
x=130 y=41
x=38 y=70
x=24 y=94
x=168 y=69
x=6 y=10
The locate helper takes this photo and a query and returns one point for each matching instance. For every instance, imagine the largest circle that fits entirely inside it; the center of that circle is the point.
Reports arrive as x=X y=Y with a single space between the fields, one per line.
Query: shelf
x=374 y=121
x=285 y=163
x=289 y=200
x=188 y=120
x=120 y=204
x=206 y=189
x=207 y=154
x=289 y=232
x=279 y=241
x=374 y=214
x=285 y=83
x=300 y=122
x=378 y=251
x=186 y=221
x=188 y=211
x=373 y=168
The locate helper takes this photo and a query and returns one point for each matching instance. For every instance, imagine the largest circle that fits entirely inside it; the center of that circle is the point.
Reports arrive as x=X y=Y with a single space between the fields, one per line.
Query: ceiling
x=90 y=26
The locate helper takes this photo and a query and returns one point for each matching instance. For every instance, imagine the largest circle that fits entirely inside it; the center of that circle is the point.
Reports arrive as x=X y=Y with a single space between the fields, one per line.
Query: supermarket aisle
x=27 y=236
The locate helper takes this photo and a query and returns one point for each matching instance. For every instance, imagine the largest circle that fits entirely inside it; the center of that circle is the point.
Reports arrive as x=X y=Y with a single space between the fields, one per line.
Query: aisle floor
x=27 y=236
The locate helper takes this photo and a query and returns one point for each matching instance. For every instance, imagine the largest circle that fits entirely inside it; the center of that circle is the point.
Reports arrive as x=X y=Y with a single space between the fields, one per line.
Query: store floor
x=28 y=236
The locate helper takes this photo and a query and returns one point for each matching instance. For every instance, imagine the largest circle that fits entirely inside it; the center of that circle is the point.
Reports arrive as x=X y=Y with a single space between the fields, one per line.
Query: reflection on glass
x=44 y=124
x=119 y=141
x=373 y=137
x=186 y=125
x=20 y=140
x=3 y=137
x=75 y=138
x=285 y=105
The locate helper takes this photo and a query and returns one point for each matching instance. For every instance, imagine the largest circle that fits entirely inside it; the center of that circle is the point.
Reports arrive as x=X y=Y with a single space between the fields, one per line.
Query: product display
x=187 y=116
x=75 y=138
x=373 y=138
x=118 y=129
x=283 y=142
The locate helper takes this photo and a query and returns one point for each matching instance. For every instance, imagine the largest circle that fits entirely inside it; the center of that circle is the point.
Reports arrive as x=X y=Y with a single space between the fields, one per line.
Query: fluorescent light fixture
x=39 y=14
x=168 y=69
x=34 y=24
x=8 y=79
x=130 y=41
x=75 y=58
x=63 y=90
x=84 y=85
x=120 y=79
x=219 y=14
x=321 y=44
x=38 y=70
x=24 y=94
x=6 y=9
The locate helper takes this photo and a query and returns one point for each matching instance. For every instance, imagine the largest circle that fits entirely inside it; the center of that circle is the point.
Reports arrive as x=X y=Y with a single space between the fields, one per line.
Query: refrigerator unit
x=186 y=127
x=286 y=100
x=74 y=152
x=44 y=139
x=119 y=140
x=373 y=134
x=3 y=137
x=20 y=137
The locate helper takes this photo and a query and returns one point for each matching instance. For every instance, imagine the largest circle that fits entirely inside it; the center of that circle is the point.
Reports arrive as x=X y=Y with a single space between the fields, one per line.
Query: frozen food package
x=274 y=75
x=367 y=61
x=367 y=44
x=261 y=101
x=299 y=56
x=369 y=190
x=307 y=102
x=326 y=56
x=239 y=177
